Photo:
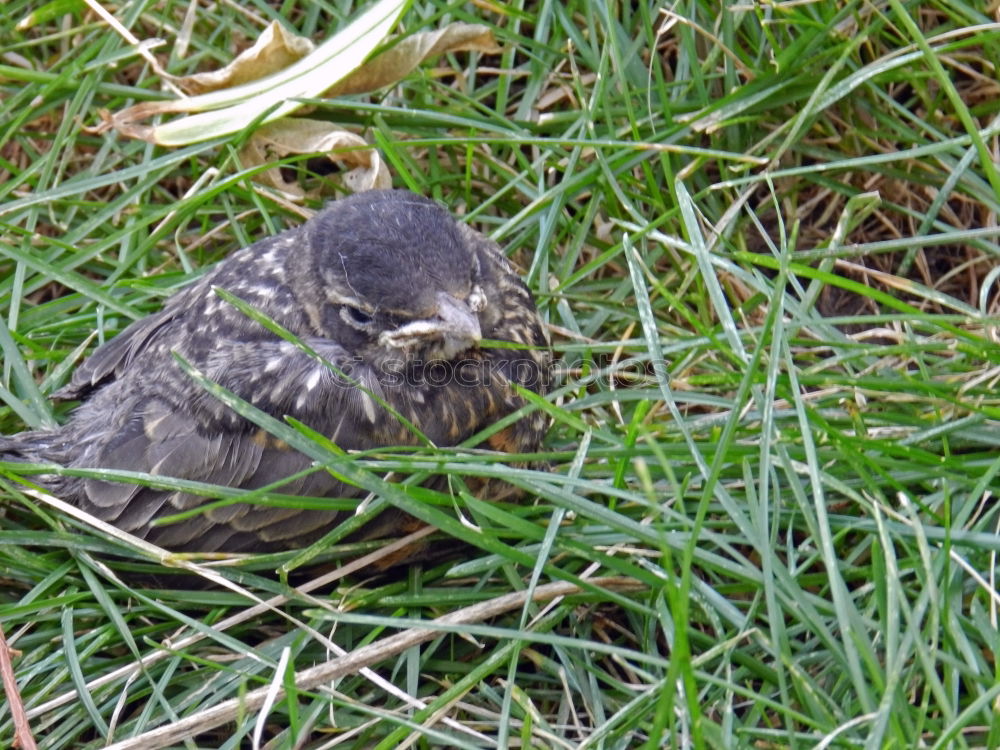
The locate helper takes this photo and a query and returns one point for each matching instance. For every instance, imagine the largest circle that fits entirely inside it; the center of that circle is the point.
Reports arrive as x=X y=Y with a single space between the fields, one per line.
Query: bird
x=396 y=305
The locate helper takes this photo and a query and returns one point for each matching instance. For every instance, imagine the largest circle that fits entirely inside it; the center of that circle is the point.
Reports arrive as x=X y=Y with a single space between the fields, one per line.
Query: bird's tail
x=37 y=446
x=11 y=448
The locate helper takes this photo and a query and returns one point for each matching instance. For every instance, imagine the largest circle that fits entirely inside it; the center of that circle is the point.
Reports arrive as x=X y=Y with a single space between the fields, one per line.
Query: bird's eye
x=360 y=316
x=356 y=317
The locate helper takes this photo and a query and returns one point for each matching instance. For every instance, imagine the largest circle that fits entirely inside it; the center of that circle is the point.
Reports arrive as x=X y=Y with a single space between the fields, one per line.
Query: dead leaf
x=275 y=49
x=243 y=91
x=231 y=109
x=398 y=61
x=300 y=135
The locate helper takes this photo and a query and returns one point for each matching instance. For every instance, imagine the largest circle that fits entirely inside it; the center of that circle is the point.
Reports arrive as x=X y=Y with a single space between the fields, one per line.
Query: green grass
x=777 y=417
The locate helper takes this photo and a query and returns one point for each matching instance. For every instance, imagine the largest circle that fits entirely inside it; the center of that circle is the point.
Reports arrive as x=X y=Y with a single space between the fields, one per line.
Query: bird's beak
x=459 y=322
x=453 y=329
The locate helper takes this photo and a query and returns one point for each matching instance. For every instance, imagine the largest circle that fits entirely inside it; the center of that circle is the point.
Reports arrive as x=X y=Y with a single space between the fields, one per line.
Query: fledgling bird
x=385 y=286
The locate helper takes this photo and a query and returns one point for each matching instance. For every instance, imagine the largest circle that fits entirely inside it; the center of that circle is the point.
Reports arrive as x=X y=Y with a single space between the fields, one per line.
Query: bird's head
x=399 y=278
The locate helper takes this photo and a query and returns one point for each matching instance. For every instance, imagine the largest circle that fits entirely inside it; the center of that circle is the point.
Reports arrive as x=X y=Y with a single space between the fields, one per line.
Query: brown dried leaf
x=300 y=135
x=228 y=110
x=275 y=49
x=260 y=79
x=395 y=63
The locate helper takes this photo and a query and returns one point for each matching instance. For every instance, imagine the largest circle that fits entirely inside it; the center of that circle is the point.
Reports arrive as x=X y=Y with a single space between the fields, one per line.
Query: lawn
x=763 y=237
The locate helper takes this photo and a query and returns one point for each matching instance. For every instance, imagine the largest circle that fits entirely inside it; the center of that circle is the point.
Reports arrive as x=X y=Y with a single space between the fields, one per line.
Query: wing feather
x=111 y=359
x=175 y=438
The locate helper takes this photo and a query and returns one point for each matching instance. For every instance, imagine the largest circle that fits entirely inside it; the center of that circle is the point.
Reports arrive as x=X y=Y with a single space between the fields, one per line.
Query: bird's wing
x=110 y=360
x=193 y=436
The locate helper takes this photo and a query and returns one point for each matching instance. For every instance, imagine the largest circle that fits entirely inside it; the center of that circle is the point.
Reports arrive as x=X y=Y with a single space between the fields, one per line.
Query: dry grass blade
x=128 y=671
x=23 y=739
x=358 y=659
